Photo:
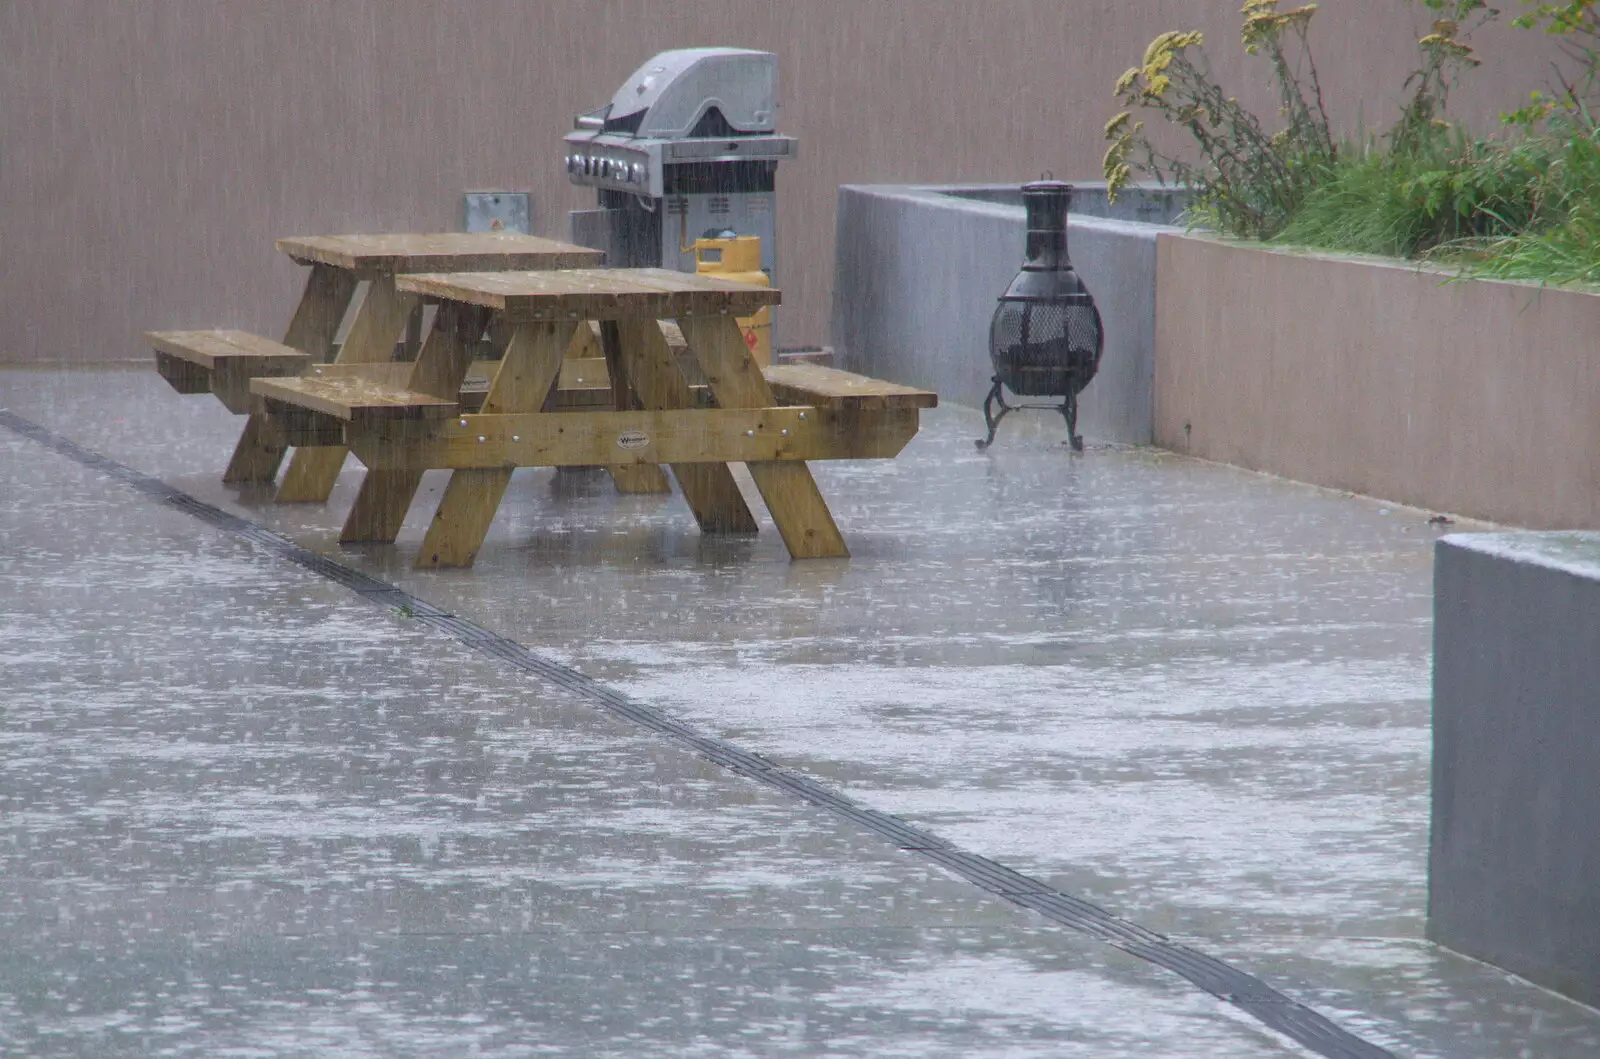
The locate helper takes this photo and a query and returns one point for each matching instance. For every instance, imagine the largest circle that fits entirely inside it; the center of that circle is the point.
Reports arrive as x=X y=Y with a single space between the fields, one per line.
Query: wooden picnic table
x=223 y=362
x=772 y=420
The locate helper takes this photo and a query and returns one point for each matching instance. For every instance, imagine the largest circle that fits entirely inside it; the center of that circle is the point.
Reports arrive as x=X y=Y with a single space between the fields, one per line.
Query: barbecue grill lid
x=670 y=96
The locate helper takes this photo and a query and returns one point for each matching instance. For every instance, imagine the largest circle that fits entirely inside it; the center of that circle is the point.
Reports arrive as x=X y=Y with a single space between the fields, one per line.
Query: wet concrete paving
x=1195 y=696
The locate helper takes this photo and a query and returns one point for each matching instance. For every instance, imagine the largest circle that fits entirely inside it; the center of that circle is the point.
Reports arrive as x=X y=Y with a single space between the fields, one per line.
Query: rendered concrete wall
x=1514 y=868
x=919 y=271
x=153 y=149
x=1370 y=375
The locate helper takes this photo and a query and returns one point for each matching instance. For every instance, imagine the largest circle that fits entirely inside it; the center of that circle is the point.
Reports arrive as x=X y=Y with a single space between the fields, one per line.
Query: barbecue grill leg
x=1069 y=410
x=989 y=418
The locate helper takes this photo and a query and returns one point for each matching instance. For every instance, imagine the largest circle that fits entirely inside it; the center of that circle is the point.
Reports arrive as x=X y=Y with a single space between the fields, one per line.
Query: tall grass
x=1516 y=210
x=1563 y=244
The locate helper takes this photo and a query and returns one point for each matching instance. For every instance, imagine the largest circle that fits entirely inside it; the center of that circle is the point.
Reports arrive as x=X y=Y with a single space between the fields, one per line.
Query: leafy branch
x=1246 y=181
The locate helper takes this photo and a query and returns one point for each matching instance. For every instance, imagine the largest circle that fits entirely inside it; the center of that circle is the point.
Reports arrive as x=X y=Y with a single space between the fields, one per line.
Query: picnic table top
x=438 y=252
x=658 y=293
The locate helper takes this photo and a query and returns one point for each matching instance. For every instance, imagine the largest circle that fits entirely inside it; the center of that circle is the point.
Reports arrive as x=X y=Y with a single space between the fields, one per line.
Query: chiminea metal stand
x=1045 y=338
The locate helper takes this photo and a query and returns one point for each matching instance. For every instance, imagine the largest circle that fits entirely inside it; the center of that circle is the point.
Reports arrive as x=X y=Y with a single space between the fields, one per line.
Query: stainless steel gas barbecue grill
x=687 y=147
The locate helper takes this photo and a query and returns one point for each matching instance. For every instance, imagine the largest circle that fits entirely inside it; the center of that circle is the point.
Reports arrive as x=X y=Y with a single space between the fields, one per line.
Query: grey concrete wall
x=1514 y=868
x=153 y=149
x=1383 y=378
x=1145 y=203
x=919 y=270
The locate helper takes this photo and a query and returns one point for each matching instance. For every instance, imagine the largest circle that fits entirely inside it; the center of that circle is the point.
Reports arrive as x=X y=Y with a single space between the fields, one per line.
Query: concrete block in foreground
x=1514 y=865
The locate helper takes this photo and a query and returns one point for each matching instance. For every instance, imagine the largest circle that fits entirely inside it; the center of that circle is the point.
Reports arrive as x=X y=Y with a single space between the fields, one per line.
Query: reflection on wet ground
x=244 y=811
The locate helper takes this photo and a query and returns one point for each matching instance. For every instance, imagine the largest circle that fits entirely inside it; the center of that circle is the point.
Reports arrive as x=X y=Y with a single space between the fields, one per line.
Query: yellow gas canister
x=738 y=258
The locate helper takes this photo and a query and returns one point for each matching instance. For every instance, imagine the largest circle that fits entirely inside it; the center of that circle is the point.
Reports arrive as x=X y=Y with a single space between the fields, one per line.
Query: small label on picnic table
x=632 y=439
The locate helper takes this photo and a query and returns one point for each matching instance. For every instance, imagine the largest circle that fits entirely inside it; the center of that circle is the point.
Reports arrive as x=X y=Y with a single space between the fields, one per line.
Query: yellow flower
x=1159 y=46
x=1158 y=84
x=1116 y=180
x=1255 y=6
x=1451 y=47
x=1161 y=49
x=1126 y=81
x=1115 y=125
x=1258 y=28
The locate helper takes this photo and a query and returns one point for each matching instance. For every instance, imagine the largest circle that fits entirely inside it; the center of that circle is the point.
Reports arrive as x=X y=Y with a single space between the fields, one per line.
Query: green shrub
x=1442 y=194
x=1522 y=207
x=1562 y=243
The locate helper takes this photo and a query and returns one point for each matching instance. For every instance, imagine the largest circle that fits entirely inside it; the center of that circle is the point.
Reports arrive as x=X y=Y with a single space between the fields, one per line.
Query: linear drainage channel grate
x=1221 y=980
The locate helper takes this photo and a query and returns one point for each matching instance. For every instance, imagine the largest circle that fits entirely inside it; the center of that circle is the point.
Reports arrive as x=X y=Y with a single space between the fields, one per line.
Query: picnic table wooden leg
x=386 y=493
x=313 y=471
x=629 y=477
x=462 y=519
x=413 y=337
x=380 y=506
x=638 y=479
x=260 y=451
x=710 y=489
x=790 y=492
x=258 y=454
x=322 y=307
x=798 y=510
x=530 y=368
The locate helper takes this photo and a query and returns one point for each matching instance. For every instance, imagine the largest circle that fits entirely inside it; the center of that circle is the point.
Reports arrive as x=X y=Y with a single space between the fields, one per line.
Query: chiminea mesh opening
x=1045 y=348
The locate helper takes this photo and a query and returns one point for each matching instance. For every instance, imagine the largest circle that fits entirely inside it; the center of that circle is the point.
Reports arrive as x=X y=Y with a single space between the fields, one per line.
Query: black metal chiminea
x=1045 y=339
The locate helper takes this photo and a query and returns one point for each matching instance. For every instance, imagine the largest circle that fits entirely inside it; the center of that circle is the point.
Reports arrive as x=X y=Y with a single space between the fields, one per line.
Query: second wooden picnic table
x=772 y=420
x=223 y=362
x=338 y=262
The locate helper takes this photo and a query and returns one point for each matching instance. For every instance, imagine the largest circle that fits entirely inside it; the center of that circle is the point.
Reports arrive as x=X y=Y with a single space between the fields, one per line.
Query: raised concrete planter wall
x=1514 y=869
x=919 y=268
x=1370 y=375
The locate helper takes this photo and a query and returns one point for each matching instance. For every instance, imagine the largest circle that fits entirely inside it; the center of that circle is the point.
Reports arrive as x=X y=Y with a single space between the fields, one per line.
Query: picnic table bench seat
x=821 y=387
x=222 y=362
x=301 y=403
x=313 y=409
